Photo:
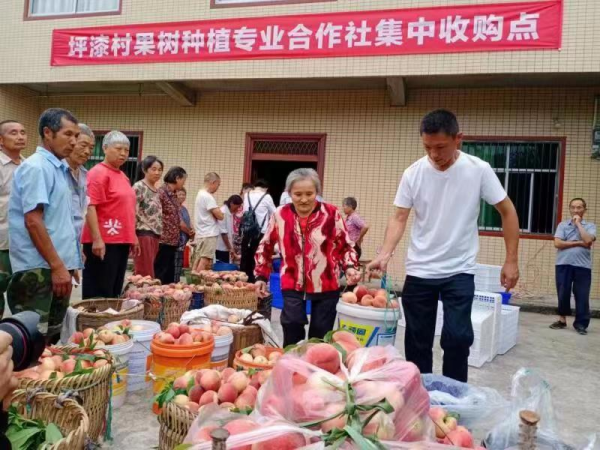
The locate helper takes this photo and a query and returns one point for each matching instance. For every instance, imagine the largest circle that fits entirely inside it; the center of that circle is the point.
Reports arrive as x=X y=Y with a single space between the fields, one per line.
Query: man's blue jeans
x=420 y=301
x=579 y=281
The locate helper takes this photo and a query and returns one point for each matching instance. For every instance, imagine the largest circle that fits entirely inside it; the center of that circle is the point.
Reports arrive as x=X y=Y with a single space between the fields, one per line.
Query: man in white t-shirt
x=225 y=250
x=263 y=207
x=206 y=216
x=444 y=189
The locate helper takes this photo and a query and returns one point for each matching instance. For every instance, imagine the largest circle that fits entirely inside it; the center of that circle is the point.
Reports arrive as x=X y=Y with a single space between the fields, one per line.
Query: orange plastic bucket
x=168 y=362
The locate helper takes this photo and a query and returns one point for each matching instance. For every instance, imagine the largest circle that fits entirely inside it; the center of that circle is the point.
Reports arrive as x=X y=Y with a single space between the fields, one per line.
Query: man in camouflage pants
x=44 y=247
x=13 y=140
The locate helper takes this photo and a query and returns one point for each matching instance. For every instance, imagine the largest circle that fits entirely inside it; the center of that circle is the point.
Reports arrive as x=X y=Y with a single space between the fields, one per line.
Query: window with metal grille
x=45 y=8
x=529 y=172
x=131 y=165
x=287 y=147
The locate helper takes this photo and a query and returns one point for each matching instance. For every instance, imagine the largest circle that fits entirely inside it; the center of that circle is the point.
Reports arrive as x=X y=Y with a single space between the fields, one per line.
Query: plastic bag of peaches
x=329 y=385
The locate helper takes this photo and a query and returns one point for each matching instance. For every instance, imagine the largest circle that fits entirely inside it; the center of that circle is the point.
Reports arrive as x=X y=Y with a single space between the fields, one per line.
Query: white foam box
x=490 y=301
x=509 y=328
x=482 y=347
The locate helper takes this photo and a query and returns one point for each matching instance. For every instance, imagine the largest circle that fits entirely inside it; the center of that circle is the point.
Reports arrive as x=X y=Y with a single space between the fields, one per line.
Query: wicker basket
x=68 y=416
x=94 y=389
x=238 y=299
x=244 y=337
x=175 y=422
x=165 y=310
x=98 y=319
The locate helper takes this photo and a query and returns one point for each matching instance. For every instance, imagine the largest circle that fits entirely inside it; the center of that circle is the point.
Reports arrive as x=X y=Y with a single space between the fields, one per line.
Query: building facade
x=530 y=112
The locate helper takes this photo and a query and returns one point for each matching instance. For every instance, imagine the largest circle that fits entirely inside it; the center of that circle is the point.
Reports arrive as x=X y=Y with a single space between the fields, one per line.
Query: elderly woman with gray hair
x=109 y=234
x=314 y=244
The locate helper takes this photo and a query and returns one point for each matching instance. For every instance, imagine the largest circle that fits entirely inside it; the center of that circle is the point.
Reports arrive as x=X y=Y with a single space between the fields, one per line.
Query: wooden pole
x=528 y=429
x=219 y=438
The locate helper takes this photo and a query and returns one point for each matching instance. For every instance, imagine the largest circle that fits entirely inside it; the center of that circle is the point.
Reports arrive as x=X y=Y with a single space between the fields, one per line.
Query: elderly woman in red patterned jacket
x=313 y=243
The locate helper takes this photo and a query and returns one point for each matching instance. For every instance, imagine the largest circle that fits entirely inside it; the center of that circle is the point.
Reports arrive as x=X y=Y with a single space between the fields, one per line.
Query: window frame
x=246 y=3
x=27 y=14
x=562 y=141
x=138 y=134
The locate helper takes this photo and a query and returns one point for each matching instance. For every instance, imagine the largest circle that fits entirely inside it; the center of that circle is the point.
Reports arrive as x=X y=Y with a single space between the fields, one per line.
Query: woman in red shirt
x=164 y=264
x=109 y=234
x=313 y=243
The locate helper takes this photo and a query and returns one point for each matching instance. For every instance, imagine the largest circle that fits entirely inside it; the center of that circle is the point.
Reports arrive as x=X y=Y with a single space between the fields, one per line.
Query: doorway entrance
x=272 y=157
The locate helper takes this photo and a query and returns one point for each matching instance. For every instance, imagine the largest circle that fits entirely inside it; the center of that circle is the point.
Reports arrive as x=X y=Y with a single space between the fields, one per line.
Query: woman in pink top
x=109 y=234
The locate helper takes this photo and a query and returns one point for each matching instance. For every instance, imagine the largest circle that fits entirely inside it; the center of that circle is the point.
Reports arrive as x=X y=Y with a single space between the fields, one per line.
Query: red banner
x=448 y=29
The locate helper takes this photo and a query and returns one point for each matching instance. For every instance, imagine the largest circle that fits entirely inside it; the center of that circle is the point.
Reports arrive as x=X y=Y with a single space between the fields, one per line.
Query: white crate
x=482 y=348
x=491 y=302
x=509 y=328
x=439 y=322
x=487 y=278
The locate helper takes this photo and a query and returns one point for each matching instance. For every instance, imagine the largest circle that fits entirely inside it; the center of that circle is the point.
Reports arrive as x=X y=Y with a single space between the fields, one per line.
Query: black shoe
x=581 y=331
x=558 y=325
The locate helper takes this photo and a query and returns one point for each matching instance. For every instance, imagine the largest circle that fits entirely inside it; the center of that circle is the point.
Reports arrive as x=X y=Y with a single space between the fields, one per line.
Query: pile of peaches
x=375 y=298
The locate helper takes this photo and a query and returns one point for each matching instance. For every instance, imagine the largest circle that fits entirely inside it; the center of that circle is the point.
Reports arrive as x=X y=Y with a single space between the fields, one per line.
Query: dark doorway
x=275 y=173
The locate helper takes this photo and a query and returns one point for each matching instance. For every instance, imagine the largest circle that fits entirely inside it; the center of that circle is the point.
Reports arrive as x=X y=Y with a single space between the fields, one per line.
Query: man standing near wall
x=13 y=140
x=445 y=189
x=44 y=249
x=574 y=239
x=75 y=162
x=206 y=216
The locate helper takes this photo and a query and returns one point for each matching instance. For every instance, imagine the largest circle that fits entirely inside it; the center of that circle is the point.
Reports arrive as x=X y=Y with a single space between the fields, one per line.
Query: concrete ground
x=570 y=363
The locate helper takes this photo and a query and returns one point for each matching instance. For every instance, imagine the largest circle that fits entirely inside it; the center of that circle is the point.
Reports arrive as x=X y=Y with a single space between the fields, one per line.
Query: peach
x=349 y=297
x=199 y=374
x=181 y=399
x=227 y=393
x=274 y=356
x=48 y=364
x=460 y=437
x=88 y=332
x=379 y=302
x=239 y=380
x=29 y=373
x=46 y=353
x=100 y=363
x=245 y=401
x=182 y=382
x=394 y=304
x=67 y=366
x=289 y=441
x=226 y=373
x=381 y=293
x=254 y=381
x=246 y=357
x=324 y=356
x=263 y=376
x=258 y=351
x=367 y=300
x=195 y=393
x=360 y=292
x=348 y=339
x=261 y=360
x=208 y=397
x=86 y=364
x=224 y=331
x=184 y=328
x=239 y=426
x=186 y=339
x=106 y=336
x=227 y=405
x=250 y=390
x=166 y=338
x=211 y=381
x=373 y=292
x=233 y=318
x=193 y=407
x=77 y=338
x=173 y=330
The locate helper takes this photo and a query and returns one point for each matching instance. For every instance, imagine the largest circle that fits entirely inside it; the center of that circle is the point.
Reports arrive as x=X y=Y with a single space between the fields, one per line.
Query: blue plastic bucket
x=197 y=300
x=275 y=288
x=219 y=266
x=505 y=297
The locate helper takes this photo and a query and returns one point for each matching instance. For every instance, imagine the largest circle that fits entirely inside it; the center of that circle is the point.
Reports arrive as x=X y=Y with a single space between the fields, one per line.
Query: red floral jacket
x=310 y=260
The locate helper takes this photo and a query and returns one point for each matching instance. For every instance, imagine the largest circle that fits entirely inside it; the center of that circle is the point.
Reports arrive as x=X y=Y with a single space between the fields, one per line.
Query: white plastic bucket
x=220 y=355
x=121 y=353
x=371 y=326
x=139 y=353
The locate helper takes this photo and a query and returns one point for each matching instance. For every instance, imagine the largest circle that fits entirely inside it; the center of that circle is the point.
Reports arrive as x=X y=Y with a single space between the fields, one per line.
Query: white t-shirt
x=205 y=223
x=225 y=227
x=264 y=210
x=445 y=238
